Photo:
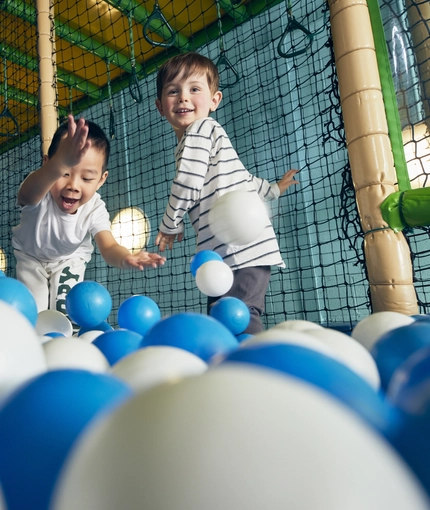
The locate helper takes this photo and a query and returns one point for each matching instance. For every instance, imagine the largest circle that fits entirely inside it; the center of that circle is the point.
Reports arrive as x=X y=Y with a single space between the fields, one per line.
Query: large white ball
x=214 y=278
x=370 y=329
x=235 y=438
x=21 y=352
x=238 y=217
x=157 y=364
x=72 y=352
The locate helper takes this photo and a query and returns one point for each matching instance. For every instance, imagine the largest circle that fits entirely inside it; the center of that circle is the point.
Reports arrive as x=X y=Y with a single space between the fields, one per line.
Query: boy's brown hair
x=188 y=64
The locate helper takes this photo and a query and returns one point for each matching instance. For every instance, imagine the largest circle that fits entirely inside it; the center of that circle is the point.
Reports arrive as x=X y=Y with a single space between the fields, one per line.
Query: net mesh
x=280 y=108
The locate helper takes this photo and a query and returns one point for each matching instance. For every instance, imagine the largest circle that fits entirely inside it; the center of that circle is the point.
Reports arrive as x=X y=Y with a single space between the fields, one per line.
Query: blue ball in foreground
x=395 y=346
x=201 y=257
x=138 y=313
x=16 y=294
x=118 y=343
x=232 y=312
x=324 y=372
x=39 y=425
x=88 y=304
x=197 y=333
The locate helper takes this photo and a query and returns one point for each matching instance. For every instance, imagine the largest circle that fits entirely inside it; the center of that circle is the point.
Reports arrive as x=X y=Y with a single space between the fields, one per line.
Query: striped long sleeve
x=207 y=166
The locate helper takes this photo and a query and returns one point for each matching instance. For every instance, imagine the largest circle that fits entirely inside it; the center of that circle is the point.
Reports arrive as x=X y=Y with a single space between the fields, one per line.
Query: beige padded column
x=387 y=254
x=47 y=82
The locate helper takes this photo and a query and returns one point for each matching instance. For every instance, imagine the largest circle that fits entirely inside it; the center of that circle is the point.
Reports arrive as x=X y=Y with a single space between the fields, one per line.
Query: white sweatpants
x=49 y=282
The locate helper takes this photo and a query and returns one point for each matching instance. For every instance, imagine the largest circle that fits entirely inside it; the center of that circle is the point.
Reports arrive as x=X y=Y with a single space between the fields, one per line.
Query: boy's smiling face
x=79 y=184
x=185 y=101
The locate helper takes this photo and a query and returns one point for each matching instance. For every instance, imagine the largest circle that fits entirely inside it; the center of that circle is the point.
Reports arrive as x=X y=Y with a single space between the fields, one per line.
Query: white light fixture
x=3 y=260
x=131 y=229
x=416 y=142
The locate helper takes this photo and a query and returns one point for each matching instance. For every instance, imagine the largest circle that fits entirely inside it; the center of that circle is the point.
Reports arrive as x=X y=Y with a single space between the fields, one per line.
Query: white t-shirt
x=48 y=234
x=207 y=167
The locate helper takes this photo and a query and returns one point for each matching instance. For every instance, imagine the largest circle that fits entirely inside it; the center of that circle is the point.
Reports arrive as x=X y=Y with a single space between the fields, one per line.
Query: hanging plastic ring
x=158 y=15
x=291 y=27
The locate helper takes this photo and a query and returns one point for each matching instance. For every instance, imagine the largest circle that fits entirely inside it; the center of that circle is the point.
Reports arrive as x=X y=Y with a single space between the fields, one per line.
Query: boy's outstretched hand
x=287 y=180
x=75 y=145
x=164 y=241
x=143 y=259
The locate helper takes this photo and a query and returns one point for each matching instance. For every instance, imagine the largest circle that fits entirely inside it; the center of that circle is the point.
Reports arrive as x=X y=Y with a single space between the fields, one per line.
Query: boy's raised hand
x=164 y=241
x=142 y=260
x=287 y=180
x=75 y=145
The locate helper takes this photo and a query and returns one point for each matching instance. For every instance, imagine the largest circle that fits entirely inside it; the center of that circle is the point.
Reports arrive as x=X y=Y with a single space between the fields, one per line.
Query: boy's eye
x=172 y=91
x=86 y=179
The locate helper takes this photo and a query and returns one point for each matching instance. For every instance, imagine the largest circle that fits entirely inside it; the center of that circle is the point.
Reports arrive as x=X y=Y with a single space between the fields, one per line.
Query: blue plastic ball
x=54 y=334
x=118 y=343
x=409 y=435
x=409 y=387
x=103 y=326
x=17 y=295
x=197 y=333
x=201 y=257
x=138 y=313
x=232 y=312
x=324 y=372
x=395 y=346
x=421 y=317
x=88 y=304
x=243 y=336
x=39 y=425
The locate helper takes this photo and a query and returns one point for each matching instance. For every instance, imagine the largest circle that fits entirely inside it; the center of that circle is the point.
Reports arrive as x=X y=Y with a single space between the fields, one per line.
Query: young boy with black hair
x=61 y=212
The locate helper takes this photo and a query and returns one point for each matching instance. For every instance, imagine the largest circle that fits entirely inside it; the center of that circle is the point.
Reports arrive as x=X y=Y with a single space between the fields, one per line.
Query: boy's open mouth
x=68 y=203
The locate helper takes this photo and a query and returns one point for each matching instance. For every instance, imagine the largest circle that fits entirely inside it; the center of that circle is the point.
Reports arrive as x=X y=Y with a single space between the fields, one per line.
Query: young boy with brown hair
x=207 y=166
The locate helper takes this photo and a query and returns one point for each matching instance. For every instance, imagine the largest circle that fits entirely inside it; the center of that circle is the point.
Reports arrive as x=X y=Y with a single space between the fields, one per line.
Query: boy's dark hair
x=95 y=133
x=187 y=63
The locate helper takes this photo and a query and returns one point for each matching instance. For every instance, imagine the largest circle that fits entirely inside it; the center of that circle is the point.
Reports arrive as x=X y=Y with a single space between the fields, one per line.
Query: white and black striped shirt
x=207 y=166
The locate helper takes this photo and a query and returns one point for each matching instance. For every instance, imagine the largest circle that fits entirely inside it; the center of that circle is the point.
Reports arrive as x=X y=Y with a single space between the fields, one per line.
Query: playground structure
x=287 y=103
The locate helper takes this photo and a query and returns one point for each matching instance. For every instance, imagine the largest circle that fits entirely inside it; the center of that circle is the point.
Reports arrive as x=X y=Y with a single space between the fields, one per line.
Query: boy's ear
x=45 y=158
x=216 y=100
x=103 y=179
x=159 y=107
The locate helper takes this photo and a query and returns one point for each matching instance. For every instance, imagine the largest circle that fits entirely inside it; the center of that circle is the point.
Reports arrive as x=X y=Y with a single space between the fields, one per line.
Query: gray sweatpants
x=250 y=285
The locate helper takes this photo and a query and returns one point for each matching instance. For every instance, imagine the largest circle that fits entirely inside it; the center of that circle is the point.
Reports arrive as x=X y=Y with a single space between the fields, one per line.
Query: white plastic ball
x=21 y=352
x=72 y=352
x=297 y=325
x=214 y=278
x=238 y=217
x=53 y=321
x=289 y=336
x=350 y=352
x=368 y=330
x=157 y=364
x=90 y=336
x=235 y=438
